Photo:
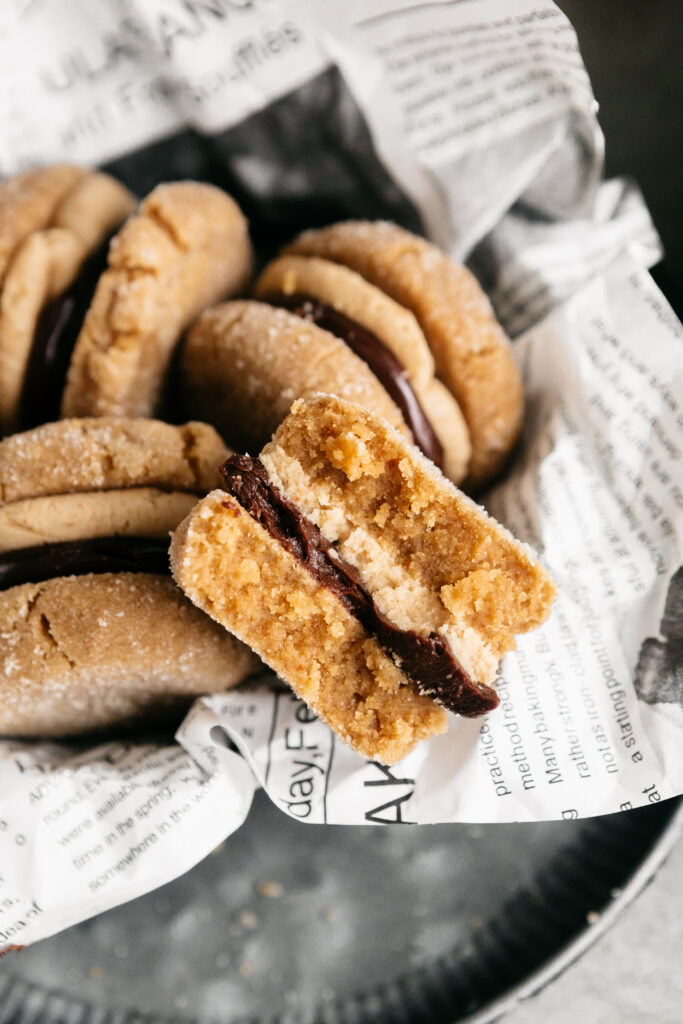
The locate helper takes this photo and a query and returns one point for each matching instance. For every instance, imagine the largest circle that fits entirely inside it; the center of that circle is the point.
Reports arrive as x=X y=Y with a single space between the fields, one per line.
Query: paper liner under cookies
x=590 y=724
x=590 y=721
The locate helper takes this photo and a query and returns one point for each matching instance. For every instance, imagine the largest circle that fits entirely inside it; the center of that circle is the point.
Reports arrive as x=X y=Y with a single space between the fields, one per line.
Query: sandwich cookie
x=472 y=353
x=244 y=362
x=386 y=337
x=362 y=576
x=185 y=249
x=27 y=202
x=93 y=631
x=55 y=225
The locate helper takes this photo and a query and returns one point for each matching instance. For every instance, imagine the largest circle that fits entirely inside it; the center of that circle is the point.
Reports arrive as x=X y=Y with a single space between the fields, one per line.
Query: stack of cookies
x=370 y=372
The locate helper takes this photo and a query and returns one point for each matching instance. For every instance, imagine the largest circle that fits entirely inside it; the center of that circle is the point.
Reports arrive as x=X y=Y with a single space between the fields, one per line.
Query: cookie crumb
x=269 y=890
x=248 y=919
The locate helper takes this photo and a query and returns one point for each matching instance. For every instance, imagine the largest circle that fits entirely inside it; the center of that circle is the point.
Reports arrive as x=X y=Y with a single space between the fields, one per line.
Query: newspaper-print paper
x=82 y=831
x=112 y=75
x=482 y=112
x=465 y=89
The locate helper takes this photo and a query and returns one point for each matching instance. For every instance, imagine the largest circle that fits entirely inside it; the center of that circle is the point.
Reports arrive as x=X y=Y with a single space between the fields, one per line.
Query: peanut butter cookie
x=319 y=328
x=186 y=248
x=55 y=225
x=94 y=633
x=471 y=352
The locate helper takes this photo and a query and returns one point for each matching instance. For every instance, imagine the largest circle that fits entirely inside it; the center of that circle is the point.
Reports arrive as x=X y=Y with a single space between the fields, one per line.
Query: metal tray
x=289 y=922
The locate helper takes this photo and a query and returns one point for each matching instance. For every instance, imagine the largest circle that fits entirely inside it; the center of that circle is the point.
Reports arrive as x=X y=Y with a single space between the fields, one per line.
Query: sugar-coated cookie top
x=107 y=453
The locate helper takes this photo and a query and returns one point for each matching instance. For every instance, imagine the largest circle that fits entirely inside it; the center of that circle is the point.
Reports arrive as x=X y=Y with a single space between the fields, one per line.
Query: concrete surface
x=634 y=973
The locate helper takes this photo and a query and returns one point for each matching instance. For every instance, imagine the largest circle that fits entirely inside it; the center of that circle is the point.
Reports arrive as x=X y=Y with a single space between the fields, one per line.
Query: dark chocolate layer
x=381 y=360
x=78 y=557
x=427 y=661
x=57 y=330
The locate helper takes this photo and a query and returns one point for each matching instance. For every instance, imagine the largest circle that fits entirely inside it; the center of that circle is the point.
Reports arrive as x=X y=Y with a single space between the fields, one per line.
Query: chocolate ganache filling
x=78 y=557
x=54 y=339
x=427 y=661
x=381 y=360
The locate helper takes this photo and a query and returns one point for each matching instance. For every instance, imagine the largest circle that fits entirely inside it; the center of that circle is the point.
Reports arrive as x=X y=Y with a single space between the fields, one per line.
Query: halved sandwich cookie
x=472 y=354
x=93 y=631
x=373 y=586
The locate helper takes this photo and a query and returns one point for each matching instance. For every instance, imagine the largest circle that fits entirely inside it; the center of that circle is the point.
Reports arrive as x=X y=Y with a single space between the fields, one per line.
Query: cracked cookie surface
x=27 y=202
x=108 y=453
x=185 y=249
x=83 y=650
x=79 y=654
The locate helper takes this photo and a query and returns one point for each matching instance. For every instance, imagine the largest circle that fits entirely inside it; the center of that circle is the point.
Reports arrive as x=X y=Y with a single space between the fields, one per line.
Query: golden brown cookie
x=351 y=294
x=93 y=633
x=377 y=328
x=27 y=202
x=373 y=586
x=472 y=354
x=244 y=363
x=107 y=651
x=245 y=580
x=149 y=511
x=106 y=453
x=43 y=271
x=186 y=248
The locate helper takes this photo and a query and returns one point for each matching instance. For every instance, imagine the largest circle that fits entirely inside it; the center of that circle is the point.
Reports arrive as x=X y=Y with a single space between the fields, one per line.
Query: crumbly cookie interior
x=243 y=578
x=433 y=560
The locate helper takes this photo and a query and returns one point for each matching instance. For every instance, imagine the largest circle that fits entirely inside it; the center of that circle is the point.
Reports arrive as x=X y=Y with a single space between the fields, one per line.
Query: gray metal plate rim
x=559 y=963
